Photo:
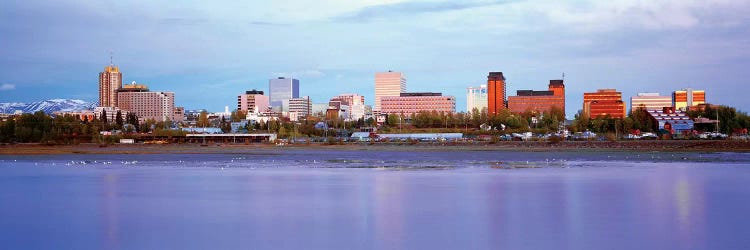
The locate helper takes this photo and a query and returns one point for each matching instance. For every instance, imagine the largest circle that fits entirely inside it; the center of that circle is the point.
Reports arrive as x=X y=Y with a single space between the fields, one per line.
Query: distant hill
x=48 y=106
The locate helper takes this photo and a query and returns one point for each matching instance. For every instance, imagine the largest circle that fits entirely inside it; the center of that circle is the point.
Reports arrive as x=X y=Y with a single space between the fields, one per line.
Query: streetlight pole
x=399 y=124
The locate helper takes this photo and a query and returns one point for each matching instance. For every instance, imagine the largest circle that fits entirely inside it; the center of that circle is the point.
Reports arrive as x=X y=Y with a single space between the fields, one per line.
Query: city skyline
x=194 y=48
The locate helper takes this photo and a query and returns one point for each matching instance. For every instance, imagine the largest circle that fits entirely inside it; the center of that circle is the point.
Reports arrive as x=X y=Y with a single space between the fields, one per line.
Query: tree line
x=40 y=127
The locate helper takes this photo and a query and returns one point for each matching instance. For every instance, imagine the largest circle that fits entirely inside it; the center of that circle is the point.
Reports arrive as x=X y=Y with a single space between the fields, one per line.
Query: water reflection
x=387 y=194
x=109 y=211
x=587 y=205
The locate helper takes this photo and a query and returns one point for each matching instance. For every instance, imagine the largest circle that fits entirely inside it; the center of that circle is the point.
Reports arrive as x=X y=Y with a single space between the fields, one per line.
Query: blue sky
x=208 y=52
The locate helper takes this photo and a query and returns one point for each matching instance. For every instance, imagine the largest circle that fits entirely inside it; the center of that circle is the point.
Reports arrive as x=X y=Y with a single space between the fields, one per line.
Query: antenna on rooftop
x=110 y=58
x=563 y=77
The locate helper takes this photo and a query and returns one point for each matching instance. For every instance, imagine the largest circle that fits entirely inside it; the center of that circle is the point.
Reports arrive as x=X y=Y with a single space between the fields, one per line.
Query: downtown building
x=649 y=101
x=299 y=108
x=350 y=107
x=687 y=98
x=149 y=105
x=539 y=101
x=252 y=101
x=603 y=103
x=476 y=98
x=496 y=93
x=411 y=103
x=110 y=80
x=280 y=90
x=388 y=84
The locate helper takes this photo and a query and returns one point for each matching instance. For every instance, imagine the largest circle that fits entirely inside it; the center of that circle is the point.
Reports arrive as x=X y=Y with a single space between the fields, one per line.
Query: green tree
x=7 y=130
x=103 y=117
x=118 y=119
x=203 y=120
x=238 y=115
x=132 y=119
x=226 y=126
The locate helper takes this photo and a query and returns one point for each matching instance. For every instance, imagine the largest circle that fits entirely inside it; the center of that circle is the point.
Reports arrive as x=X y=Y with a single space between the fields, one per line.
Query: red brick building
x=539 y=101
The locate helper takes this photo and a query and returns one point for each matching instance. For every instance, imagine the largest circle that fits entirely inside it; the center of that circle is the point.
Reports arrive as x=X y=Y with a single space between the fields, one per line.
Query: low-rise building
x=412 y=103
x=672 y=121
x=604 y=103
x=83 y=115
x=354 y=106
x=111 y=113
x=650 y=101
x=252 y=101
x=686 y=98
x=539 y=101
x=476 y=98
x=299 y=108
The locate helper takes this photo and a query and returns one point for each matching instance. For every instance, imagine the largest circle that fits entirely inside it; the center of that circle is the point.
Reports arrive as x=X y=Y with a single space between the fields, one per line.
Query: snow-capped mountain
x=48 y=106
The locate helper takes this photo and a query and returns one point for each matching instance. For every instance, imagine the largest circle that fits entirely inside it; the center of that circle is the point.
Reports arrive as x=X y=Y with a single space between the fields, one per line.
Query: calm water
x=376 y=200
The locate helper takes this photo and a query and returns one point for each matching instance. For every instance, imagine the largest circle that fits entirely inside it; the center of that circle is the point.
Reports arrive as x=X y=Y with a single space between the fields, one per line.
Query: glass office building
x=282 y=89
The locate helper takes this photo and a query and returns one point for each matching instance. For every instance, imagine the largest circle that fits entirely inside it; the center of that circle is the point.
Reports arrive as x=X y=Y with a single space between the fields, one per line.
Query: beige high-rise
x=148 y=105
x=388 y=84
x=110 y=80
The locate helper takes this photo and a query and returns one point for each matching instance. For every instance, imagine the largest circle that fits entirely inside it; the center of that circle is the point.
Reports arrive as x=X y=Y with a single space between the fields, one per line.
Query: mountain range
x=48 y=106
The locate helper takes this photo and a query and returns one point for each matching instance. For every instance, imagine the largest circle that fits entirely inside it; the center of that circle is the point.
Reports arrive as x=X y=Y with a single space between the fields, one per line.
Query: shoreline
x=513 y=146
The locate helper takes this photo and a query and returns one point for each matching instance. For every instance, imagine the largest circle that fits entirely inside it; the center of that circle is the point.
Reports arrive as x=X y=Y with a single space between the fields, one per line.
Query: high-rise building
x=411 y=103
x=110 y=80
x=388 y=84
x=650 y=101
x=476 y=98
x=686 y=98
x=539 y=101
x=299 y=108
x=159 y=106
x=604 y=102
x=252 y=101
x=282 y=89
x=496 y=95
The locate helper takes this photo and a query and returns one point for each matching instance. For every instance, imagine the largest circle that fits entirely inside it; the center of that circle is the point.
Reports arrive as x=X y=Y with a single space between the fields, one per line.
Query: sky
x=208 y=52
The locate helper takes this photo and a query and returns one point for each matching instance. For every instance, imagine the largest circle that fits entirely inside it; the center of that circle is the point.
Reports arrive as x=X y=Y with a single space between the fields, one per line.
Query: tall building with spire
x=110 y=80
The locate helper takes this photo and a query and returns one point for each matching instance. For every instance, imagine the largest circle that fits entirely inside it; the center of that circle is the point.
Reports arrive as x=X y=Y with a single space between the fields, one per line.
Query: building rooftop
x=133 y=87
x=556 y=83
x=254 y=92
x=422 y=94
x=606 y=91
x=496 y=76
x=534 y=93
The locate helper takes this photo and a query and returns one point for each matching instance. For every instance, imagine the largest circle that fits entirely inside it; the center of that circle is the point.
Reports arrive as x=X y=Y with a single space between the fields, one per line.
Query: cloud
x=7 y=86
x=411 y=8
x=310 y=73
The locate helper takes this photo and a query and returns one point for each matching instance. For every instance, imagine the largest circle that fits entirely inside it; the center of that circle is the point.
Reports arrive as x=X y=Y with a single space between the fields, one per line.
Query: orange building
x=539 y=101
x=496 y=96
x=604 y=102
x=686 y=98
